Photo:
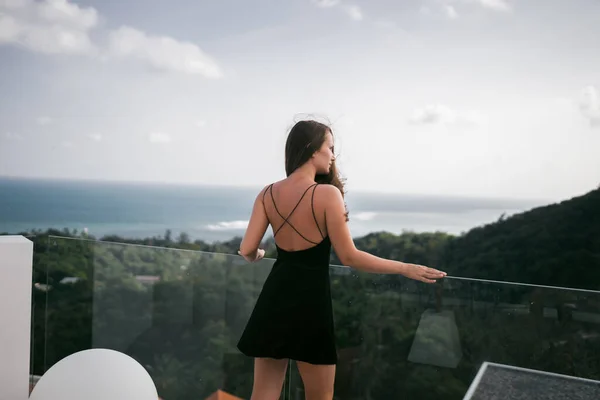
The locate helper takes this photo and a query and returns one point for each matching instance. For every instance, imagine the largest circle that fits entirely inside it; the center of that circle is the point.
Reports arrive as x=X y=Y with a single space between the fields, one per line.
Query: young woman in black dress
x=293 y=316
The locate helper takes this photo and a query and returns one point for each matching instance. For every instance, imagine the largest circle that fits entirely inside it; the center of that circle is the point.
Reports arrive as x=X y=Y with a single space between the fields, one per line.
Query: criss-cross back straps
x=286 y=220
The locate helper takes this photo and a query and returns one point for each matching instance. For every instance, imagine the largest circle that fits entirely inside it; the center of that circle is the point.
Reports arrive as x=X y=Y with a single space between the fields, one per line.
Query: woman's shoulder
x=268 y=187
x=328 y=192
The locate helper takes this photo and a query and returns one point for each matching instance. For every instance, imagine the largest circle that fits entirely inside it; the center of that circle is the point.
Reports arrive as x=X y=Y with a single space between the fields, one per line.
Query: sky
x=493 y=98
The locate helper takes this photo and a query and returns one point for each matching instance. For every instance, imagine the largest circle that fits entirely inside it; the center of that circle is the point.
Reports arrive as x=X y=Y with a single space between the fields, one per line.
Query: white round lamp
x=96 y=374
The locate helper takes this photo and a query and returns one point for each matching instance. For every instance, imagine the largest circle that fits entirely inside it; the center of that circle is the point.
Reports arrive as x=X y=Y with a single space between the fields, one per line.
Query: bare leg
x=268 y=378
x=318 y=380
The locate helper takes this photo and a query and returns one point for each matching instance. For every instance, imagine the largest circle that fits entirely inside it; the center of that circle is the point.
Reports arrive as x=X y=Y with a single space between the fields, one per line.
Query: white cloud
x=13 y=136
x=95 y=137
x=450 y=11
x=200 y=123
x=159 y=137
x=385 y=24
x=228 y=226
x=445 y=9
x=450 y=8
x=496 y=5
x=425 y=10
x=589 y=105
x=63 y=27
x=162 y=52
x=354 y=12
x=326 y=3
x=439 y=114
x=12 y=4
x=365 y=216
x=48 y=26
x=44 y=120
x=69 y=14
x=67 y=143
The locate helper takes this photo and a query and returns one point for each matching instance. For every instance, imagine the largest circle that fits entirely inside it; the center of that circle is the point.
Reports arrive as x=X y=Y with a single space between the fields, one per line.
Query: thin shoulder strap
x=312 y=205
x=265 y=194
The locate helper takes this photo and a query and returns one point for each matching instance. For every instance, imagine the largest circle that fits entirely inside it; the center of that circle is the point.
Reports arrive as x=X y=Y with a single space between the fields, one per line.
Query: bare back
x=296 y=213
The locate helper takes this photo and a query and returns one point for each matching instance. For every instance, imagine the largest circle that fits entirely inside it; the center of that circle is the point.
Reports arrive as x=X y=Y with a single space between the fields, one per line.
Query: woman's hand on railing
x=422 y=273
x=257 y=256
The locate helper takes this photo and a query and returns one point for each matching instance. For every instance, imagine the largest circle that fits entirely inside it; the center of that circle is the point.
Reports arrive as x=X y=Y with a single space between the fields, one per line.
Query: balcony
x=179 y=314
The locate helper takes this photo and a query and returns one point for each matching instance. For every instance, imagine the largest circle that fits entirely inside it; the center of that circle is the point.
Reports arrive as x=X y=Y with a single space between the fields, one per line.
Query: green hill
x=557 y=244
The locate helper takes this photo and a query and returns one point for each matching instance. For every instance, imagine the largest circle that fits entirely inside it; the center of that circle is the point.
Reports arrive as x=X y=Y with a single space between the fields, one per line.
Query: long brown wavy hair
x=305 y=138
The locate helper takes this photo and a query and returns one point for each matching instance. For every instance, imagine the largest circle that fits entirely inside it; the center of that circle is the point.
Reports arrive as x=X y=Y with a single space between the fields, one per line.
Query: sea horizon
x=217 y=213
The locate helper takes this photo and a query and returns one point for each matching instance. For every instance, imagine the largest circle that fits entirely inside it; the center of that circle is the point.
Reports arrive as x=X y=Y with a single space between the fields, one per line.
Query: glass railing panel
x=179 y=313
x=38 y=308
x=404 y=339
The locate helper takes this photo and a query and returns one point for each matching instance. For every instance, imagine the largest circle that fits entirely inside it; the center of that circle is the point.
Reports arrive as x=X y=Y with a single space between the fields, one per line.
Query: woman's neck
x=305 y=173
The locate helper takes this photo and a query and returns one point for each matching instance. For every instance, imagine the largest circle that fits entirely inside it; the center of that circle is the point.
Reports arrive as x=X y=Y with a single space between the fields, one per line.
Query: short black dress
x=293 y=316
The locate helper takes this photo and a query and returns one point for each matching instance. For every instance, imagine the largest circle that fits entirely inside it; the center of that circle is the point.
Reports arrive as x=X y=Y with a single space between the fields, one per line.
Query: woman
x=293 y=316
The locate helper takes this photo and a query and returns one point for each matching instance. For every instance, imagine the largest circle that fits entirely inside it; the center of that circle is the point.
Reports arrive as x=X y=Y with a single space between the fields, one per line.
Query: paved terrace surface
x=500 y=382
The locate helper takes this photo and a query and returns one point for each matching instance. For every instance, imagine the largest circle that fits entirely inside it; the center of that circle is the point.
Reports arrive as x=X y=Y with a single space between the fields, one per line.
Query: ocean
x=210 y=213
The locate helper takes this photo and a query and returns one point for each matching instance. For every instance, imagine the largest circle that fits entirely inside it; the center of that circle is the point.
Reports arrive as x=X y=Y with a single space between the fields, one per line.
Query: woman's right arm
x=349 y=255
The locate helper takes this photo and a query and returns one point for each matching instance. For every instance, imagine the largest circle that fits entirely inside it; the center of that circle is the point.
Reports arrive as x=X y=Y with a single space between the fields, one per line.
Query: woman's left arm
x=255 y=232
